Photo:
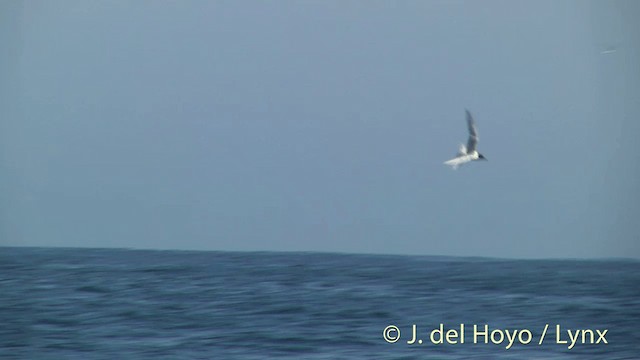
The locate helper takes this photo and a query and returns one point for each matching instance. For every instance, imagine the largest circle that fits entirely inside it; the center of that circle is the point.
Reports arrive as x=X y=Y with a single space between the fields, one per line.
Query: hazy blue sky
x=321 y=126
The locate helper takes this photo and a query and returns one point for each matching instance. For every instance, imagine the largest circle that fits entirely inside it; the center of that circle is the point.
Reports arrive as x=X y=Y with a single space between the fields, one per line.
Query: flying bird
x=608 y=51
x=467 y=153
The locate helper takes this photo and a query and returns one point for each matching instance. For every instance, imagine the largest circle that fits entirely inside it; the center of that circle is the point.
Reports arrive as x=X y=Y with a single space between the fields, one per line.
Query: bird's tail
x=454 y=165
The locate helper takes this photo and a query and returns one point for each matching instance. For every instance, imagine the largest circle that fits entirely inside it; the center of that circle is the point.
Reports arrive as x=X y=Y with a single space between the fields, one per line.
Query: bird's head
x=480 y=156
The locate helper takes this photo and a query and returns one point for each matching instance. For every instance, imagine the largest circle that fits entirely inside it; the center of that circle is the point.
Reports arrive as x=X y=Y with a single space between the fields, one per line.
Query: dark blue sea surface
x=139 y=304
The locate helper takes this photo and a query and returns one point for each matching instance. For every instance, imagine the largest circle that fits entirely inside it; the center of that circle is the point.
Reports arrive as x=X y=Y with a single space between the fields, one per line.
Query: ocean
x=60 y=303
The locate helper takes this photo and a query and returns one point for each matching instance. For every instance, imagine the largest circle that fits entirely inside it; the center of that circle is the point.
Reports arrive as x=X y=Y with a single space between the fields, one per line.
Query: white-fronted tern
x=467 y=153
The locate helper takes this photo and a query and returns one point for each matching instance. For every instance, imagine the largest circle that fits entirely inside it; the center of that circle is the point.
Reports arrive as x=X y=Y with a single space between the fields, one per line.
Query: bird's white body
x=467 y=153
x=462 y=159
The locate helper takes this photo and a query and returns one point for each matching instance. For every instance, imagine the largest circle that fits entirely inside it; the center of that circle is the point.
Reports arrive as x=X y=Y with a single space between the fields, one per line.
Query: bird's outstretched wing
x=473 y=133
